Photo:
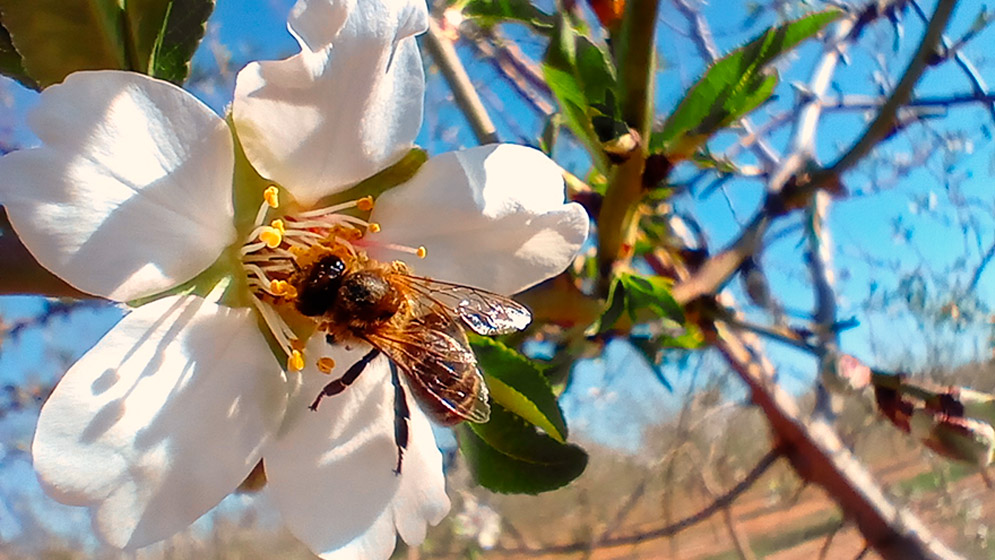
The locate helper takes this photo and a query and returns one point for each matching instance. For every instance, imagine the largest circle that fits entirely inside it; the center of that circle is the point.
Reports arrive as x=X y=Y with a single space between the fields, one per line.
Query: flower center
x=278 y=253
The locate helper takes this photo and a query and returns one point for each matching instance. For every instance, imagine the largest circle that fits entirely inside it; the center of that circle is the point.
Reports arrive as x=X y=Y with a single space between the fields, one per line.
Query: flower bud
x=962 y=439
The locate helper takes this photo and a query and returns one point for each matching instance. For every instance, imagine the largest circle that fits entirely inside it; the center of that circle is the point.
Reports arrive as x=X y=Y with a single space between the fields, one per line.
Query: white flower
x=131 y=195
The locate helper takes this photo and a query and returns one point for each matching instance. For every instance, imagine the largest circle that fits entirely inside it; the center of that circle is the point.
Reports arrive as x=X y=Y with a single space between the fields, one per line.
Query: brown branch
x=885 y=120
x=720 y=502
x=444 y=54
x=718 y=269
x=977 y=82
x=512 y=74
x=20 y=273
x=819 y=457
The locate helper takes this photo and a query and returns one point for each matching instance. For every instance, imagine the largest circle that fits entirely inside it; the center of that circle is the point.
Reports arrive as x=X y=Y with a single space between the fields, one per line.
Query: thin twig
x=717 y=270
x=720 y=502
x=444 y=54
x=977 y=82
x=885 y=120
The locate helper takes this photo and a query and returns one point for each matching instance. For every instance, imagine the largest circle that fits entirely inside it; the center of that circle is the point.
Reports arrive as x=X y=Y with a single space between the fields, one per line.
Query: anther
x=271 y=236
x=421 y=252
x=277 y=287
x=373 y=227
x=279 y=225
x=326 y=365
x=272 y=196
x=295 y=362
x=365 y=204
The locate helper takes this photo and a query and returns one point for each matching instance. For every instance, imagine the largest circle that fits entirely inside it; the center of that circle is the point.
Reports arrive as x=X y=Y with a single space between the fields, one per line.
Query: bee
x=417 y=323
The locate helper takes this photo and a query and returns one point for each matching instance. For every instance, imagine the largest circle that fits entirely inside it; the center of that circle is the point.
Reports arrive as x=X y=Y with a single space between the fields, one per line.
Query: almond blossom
x=133 y=195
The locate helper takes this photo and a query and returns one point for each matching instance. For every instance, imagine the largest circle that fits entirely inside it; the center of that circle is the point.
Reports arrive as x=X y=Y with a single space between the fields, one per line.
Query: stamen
x=326 y=365
x=272 y=196
x=278 y=224
x=365 y=204
x=271 y=236
x=421 y=252
x=278 y=287
x=329 y=209
x=281 y=332
x=295 y=362
x=373 y=227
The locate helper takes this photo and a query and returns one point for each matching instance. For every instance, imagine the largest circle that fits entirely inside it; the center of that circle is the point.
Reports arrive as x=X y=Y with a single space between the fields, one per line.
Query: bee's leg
x=401 y=417
x=351 y=374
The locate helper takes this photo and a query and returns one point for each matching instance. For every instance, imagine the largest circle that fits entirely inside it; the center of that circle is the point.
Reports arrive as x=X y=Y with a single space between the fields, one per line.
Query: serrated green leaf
x=651 y=294
x=11 y=64
x=516 y=384
x=641 y=298
x=57 y=37
x=508 y=455
x=614 y=309
x=733 y=86
x=490 y=12
x=165 y=34
x=579 y=74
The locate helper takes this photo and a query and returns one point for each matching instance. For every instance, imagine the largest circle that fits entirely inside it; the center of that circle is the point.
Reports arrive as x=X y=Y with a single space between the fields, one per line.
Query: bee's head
x=319 y=285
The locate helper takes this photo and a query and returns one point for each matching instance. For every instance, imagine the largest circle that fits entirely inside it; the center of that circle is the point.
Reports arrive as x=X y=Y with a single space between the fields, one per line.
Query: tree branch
x=20 y=273
x=442 y=52
x=819 y=457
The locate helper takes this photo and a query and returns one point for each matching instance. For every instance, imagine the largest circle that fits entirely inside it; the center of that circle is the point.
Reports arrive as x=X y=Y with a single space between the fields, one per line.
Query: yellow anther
x=326 y=365
x=422 y=252
x=278 y=224
x=373 y=227
x=296 y=361
x=271 y=236
x=272 y=196
x=289 y=291
x=277 y=287
x=365 y=204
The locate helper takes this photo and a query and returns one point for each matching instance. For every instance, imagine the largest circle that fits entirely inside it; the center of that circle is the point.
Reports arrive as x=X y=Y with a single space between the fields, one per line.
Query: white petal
x=130 y=193
x=492 y=217
x=332 y=475
x=162 y=419
x=345 y=107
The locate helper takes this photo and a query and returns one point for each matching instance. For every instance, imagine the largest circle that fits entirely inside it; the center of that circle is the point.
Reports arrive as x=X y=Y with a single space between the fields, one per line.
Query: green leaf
x=580 y=75
x=617 y=304
x=508 y=455
x=652 y=294
x=490 y=12
x=643 y=298
x=732 y=87
x=11 y=64
x=517 y=385
x=57 y=37
x=165 y=34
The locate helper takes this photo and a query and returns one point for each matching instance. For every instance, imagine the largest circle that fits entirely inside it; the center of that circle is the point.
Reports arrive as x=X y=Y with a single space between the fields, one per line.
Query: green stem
x=635 y=60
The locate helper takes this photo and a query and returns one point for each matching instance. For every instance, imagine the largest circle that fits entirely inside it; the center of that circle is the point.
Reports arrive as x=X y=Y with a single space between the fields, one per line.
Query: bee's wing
x=486 y=313
x=433 y=352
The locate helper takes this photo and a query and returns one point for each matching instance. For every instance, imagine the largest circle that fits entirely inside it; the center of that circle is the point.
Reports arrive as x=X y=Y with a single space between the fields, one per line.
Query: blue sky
x=863 y=225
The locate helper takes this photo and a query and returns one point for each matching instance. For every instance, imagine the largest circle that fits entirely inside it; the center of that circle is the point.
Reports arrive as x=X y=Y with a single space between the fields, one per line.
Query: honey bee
x=417 y=323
